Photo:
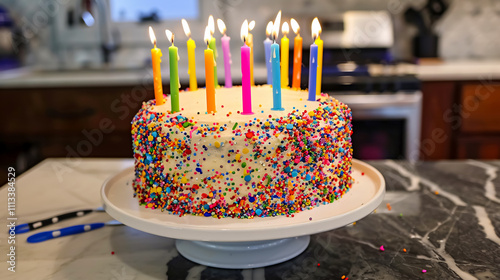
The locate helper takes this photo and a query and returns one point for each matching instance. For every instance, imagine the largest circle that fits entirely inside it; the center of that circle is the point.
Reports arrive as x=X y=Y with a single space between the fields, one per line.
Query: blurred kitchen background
x=422 y=77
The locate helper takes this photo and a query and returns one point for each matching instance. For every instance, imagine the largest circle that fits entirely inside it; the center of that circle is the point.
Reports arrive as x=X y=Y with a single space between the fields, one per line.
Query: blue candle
x=267 y=49
x=313 y=69
x=275 y=50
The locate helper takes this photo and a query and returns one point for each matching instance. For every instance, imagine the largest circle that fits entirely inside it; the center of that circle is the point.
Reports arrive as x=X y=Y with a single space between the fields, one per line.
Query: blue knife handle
x=47 y=235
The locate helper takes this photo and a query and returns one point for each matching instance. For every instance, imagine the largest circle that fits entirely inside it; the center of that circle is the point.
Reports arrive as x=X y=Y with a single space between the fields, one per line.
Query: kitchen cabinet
x=67 y=122
x=466 y=117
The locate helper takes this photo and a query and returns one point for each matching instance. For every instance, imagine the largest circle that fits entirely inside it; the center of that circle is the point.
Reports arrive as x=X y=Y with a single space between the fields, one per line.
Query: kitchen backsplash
x=470 y=29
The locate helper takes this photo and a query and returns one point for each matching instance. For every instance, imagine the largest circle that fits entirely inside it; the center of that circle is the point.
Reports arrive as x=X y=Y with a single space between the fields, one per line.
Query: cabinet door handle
x=71 y=115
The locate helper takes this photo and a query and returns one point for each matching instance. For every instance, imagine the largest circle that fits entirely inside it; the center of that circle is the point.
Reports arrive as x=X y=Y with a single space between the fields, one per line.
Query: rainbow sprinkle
x=259 y=168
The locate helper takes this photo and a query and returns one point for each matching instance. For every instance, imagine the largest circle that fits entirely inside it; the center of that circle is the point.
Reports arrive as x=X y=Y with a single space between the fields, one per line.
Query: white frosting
x=229 y=101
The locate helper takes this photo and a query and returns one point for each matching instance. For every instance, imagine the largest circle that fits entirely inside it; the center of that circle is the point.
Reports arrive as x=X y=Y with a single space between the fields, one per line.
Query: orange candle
x=156 y=58
x=297 y=55
x=209 y=74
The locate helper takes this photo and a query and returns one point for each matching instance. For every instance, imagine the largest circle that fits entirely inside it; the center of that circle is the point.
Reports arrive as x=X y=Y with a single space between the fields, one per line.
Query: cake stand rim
x=217 y=233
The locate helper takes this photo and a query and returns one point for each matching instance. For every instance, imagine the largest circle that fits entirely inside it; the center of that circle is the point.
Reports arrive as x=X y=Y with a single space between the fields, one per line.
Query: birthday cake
x=227 y=164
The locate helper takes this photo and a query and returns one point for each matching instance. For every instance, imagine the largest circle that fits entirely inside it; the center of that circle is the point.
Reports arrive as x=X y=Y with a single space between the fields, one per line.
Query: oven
x=384 y=94
x=385 y=126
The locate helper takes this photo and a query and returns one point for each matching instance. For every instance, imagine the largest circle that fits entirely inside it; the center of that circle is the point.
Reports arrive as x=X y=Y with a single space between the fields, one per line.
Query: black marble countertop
x=443 y=223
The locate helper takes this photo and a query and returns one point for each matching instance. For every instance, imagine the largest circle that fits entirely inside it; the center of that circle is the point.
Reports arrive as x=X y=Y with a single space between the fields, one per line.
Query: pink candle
x=245 y=72
x=226 y=52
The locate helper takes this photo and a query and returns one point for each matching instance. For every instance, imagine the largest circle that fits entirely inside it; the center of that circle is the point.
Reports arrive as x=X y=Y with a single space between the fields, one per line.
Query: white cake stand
x=243 y=243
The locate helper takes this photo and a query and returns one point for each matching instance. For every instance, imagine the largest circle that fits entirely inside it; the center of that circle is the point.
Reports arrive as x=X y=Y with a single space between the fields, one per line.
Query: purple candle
x=226 y=51
x=246 y=86
x=267 y=51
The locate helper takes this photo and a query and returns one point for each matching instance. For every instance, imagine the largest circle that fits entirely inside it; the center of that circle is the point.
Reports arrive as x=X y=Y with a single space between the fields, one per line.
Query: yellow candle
x=284 y=55
x=319 y=42
x=209 y=74
x=191 y=46
x=156 y=58
x=249 y=43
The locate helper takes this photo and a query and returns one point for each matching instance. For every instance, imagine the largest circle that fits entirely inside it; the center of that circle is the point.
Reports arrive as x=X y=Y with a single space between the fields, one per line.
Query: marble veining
x=444 y=219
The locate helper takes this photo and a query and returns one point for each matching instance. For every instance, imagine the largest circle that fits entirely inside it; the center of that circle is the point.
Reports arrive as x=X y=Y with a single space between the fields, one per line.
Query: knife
x=22 y=228
x=51 y=234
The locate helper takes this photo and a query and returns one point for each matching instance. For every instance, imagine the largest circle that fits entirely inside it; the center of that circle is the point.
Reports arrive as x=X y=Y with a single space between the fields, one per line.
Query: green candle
x=213 y=47
x=174 y=73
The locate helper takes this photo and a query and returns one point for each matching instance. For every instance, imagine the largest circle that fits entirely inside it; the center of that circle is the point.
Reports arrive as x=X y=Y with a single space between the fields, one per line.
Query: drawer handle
x=53 y=113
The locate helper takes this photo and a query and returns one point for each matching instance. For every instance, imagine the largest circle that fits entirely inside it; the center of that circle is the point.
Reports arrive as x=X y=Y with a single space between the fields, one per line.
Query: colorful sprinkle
x=260 y=167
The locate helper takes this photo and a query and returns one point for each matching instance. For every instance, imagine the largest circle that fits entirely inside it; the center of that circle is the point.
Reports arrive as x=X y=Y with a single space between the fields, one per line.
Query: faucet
x=109 y=40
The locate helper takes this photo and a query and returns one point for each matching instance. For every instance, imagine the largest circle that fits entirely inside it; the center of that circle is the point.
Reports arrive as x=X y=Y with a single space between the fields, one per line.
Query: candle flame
x=276 y=28
x=269 y=28
x=207 y=35
x=244 y=31
x=170 y=36
x=185 y=26
x=315 y=28
x=295 y=26
x=285 y=29
x=152 y=36
x=222 y=26
x=211 y=25
x=251 y=25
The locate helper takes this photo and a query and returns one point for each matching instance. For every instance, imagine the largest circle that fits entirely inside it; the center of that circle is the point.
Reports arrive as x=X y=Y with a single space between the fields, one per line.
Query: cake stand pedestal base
x=242 y=255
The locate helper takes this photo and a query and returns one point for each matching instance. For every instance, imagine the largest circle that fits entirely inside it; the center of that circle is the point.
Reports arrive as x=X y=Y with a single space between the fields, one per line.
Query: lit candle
x=156 y=58
x=213 y=47
x=209 y=73
x=191 y=46
x=297 y=55
x=267 y=50
x=319 y=42
x=275 y=60
x=173 y=57
x=284 y=56
x=245 y=72
x=249 y=43
x=226 y=51
x=313 y=63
